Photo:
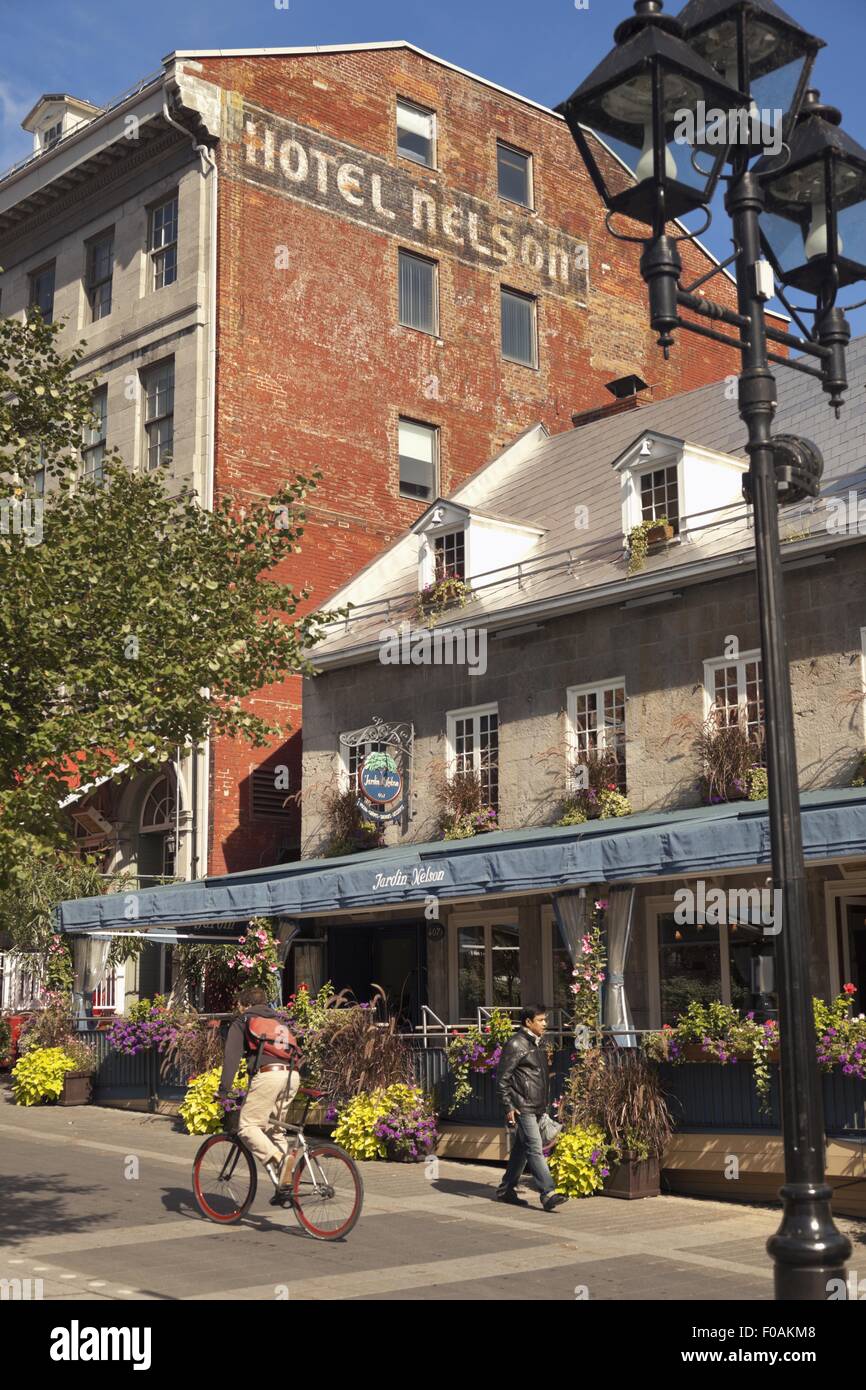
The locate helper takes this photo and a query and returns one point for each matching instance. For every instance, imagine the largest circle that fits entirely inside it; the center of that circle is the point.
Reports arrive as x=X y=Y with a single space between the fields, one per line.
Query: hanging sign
x=380 y=785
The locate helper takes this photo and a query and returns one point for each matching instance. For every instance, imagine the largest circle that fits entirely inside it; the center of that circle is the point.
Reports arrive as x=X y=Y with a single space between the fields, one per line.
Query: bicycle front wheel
x=327 y=1192
x=224 y=1179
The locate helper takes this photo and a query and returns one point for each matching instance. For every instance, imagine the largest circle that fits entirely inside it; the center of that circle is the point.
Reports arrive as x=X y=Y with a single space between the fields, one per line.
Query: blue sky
x=97 y=48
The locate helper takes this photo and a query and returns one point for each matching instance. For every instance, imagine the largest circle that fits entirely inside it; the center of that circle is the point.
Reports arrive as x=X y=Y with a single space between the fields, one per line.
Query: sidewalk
x=97 y=1203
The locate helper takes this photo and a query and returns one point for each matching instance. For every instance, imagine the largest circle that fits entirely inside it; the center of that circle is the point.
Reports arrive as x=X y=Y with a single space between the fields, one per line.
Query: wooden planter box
x=77 y=1088
x=659 y=535
x=632 y=1179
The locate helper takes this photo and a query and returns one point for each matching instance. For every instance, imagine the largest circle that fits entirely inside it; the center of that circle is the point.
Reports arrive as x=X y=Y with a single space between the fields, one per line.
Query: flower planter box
x=632 y=1179
x=77 y=1088
x=659 y=535
x=695 y=1052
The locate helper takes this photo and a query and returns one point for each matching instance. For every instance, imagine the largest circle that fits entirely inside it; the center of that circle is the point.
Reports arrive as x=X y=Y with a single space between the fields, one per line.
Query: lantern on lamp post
x=648 y=100
x=730 y=54
x=758 y=49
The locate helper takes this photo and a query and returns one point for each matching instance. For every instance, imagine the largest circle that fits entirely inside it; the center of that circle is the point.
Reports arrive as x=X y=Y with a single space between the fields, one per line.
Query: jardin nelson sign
x=419 y=876
x=301 y=163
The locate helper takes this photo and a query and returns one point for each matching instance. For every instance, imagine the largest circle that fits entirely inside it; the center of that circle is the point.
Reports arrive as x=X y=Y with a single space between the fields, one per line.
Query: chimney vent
x=627 y=392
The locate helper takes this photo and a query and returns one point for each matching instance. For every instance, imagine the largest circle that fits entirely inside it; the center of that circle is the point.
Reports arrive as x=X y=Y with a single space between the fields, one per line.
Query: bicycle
x=325 y=1189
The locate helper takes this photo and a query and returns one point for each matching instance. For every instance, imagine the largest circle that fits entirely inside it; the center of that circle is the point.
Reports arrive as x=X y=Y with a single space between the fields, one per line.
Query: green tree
x=131 y=621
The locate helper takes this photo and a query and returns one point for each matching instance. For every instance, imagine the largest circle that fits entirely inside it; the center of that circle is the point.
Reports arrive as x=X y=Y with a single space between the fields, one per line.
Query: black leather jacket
x=522 y=1081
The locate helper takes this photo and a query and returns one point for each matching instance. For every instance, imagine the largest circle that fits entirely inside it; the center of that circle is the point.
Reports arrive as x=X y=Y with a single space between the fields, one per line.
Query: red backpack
x=271 y=1037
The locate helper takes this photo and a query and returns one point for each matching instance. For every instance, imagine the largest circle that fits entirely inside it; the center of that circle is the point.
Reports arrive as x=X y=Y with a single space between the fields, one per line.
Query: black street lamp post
x=659 y=81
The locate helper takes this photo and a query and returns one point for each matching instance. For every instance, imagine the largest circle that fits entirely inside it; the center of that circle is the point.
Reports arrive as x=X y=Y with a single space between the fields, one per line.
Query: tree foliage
x=132 y=621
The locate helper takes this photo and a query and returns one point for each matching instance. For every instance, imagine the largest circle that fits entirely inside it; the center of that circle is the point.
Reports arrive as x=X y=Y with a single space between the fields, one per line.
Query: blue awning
x=635 y=848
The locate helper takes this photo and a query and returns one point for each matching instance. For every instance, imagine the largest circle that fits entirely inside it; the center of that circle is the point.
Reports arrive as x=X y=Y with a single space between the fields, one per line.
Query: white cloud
x=15 y=143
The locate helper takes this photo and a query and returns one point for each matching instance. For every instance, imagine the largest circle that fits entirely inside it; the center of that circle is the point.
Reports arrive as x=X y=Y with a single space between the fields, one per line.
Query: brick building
x=361 y=260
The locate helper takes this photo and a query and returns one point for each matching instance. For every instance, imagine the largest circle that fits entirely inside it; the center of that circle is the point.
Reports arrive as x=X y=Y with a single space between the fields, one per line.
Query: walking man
x=523 y=1085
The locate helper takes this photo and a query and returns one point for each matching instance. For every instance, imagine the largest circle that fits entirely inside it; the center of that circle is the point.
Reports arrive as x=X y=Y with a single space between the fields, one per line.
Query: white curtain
x=89 y=955
x=619 y=917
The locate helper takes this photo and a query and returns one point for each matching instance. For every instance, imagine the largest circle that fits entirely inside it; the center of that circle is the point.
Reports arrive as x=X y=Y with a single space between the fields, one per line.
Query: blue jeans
x=526 y=1149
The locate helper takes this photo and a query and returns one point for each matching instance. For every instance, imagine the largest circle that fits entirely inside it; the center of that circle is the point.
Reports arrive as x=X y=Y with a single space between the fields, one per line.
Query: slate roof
x=574 y=468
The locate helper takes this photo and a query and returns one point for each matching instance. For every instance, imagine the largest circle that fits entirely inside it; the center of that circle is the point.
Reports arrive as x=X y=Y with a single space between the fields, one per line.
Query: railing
x=77 y=129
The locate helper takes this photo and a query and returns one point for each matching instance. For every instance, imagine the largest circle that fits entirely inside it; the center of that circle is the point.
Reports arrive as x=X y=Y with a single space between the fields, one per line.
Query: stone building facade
x=231 y=238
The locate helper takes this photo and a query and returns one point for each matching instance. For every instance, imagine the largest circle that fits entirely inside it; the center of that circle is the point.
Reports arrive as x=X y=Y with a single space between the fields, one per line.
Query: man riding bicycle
x=273 y=1085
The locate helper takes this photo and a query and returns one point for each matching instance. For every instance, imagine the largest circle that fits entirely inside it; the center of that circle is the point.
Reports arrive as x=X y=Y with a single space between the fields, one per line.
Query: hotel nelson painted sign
x=303 y=164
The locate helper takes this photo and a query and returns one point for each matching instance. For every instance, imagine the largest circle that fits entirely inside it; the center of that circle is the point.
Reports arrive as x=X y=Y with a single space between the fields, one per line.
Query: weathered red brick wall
x=314 y=368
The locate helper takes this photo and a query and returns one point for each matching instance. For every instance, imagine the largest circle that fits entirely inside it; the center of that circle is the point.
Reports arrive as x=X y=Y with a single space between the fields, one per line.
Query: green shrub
x=37 y=1077
x=200 y=1110
x=579 y=1162
x=758 y=784
x=5 y=1042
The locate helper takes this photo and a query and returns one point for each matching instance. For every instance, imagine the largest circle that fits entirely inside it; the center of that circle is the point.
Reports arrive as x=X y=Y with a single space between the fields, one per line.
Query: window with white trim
x=162 y=243
x=449 y=555
x=659 y=495
x=473 y=746
x=353 y=760
x=93 y=448
x=596 y=725
x=52 y=134
x=734 y=693
x=158 y=385
x=416 y=133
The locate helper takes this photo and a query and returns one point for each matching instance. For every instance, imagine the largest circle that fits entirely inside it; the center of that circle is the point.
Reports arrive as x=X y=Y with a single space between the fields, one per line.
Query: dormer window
x=698 y=491
x=659 y=495
x=449 y=555
x=51 y=135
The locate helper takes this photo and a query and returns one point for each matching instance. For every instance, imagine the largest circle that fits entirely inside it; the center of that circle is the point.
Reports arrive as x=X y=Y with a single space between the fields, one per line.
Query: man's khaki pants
x=266 y=1108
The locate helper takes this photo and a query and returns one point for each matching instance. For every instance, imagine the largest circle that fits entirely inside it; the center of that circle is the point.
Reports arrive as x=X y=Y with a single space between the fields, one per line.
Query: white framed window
x=659 y=490
x=416 y=133
x=352 y=759
x=596 y=724
x=110 y=993
x=20 y=987
x=162 y=242
x=734 y=692
x=158 y=388
x=473 y=746
x=519 y=327
x=52 y=134
x=484 y=951
x=100 y=271
x=418 y=292
x=418 y=450
x=93 y=448
x=514 y=174
x=449 y=555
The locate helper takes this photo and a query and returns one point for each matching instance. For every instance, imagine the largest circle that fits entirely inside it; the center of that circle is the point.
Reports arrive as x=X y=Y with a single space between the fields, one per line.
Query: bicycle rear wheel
x=327 y=1192
x=224 y=1179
